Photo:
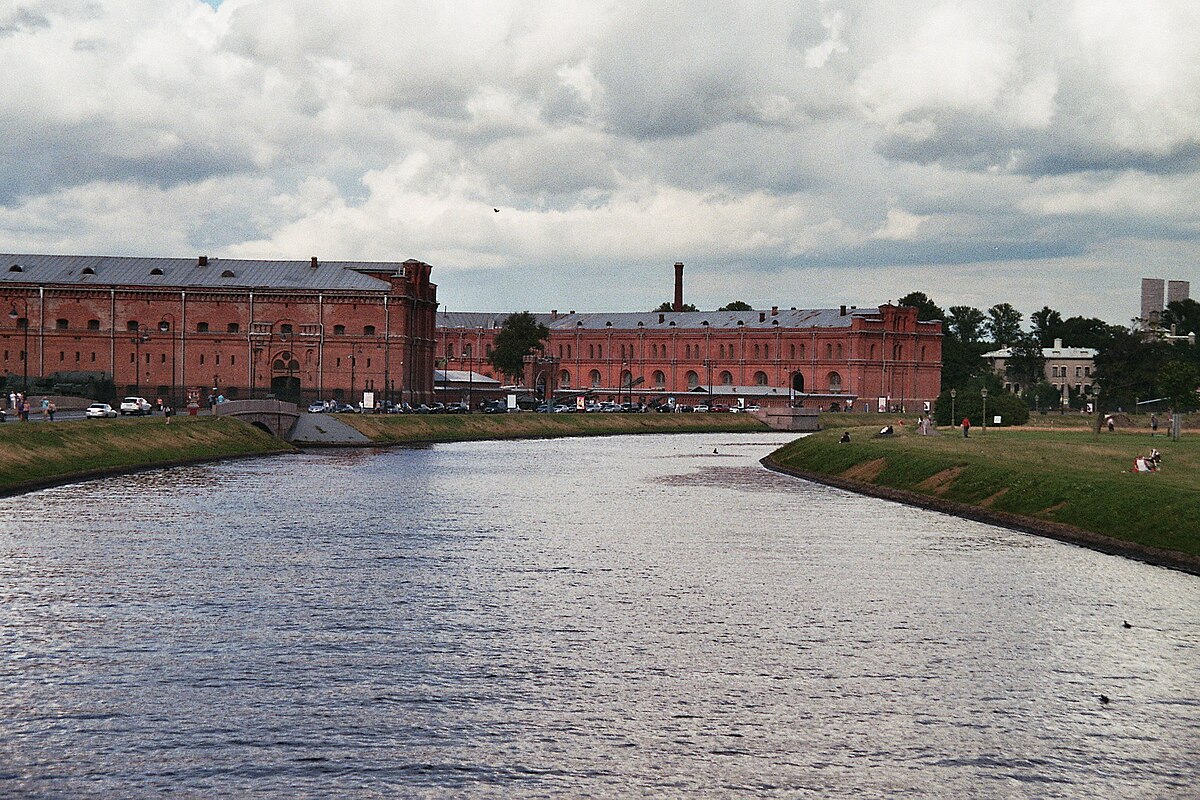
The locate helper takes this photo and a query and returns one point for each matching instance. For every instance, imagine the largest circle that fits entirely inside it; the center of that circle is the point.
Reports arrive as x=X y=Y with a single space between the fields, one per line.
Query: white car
x=99 y=411
x=135 y=405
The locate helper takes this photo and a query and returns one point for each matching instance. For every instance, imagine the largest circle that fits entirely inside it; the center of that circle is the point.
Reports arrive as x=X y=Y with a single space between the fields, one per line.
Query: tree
x=670 y=307
x=1178 y=382
x=1127 y=370
x=1045 y=325
x=1004 y=324
x=1184 y=315
x=1042 y=396
x=926 y=308
x=966 y=322
x=1027 y=365
x=518 y=337
x=736 y=305
x=1085 y=332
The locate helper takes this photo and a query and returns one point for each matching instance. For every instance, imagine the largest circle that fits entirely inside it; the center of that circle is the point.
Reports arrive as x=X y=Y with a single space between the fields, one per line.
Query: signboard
x=741 y=402
x=512 y=402
x=368 y=400
x=671 y=402
x=996 y=420
x=579 y=401
x=883 y=405
x=926 y=406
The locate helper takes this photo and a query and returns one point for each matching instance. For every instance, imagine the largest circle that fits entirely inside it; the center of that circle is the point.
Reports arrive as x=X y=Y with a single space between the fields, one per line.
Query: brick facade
x=178 y=328
x=820 y=356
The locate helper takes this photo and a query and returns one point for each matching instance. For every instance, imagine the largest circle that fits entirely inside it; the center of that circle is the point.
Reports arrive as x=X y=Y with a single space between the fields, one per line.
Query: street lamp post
x=168 y=325
x=13 y=315
x=983 y=393
x=953 y=416
x=137 y=357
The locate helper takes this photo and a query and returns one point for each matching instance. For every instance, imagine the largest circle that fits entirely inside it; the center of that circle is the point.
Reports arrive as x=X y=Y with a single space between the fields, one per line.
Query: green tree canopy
x=1084 y=332
x=1045 y=324
x=1184 y=315
x=926 y=308
x=518 y=337
x=670 y=307
x=737 y=305
x=1003 y=324
x=1127 y=370
x=966 y=323
x=1027 y=365
x=1178 y=382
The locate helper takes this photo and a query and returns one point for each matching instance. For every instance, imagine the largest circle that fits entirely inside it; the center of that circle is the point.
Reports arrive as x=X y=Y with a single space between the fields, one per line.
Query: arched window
x=594 y=378
x=872 y=352
x=660 y=380
x=829 y=350
x=802 y=351
x=793 y=350
x=339 y=330
x=693 y=380
x=564 y=379
x=726 y=378
x=626 y=378
x=835 y=382
x=368 y=330
x=766 y=351
x=760 y=378
x=839 y=350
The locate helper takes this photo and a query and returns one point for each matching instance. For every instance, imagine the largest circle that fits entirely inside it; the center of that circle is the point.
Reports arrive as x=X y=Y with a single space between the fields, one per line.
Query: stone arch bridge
x=276 y=417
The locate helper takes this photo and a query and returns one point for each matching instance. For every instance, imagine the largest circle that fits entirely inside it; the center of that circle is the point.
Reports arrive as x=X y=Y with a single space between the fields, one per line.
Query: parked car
x=139 y=406
x=458 y=408
x=496 y=407
x=317 y=408
x=99 y=411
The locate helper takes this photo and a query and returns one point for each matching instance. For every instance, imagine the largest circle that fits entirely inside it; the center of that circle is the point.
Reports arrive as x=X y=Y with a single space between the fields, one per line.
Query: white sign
x=368 y=400
x=926 y=405
x=579 y=401
x=512 y=402
x=996 y=420
x=883 y=405
x=741 y=402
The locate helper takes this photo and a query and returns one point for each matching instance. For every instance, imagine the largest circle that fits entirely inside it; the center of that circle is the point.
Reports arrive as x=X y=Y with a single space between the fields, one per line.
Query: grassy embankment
x=1065 y=483
x=39 y=454
x=394 y=429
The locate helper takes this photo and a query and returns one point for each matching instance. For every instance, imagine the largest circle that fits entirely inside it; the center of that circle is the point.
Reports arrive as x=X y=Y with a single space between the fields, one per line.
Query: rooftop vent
x=741 y=322
x=775 y=322
x=640 y=323
x=672 y=323
x=314 y=262
x=608 y=324
x=156 y=271
x=843 y=311
x=88 y=271
x=774 y=311
x=762 y=316
x=661 y=317
x=15 y=268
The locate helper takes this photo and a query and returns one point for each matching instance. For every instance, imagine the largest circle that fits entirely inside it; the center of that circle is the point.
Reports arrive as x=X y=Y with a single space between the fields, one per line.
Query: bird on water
x=1103 y=699
x=1125 y=624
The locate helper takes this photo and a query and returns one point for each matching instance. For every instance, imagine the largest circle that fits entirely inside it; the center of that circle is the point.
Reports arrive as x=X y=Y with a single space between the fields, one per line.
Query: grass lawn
x=388 y=428
x=40 y=452
x=1066 y=476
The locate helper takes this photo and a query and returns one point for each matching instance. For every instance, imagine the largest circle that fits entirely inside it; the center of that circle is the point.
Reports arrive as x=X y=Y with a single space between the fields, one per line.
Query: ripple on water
x=628 y=616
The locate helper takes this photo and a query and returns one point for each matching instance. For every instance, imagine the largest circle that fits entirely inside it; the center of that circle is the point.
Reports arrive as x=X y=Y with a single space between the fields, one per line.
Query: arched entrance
x=285 y=384
x=797 y=382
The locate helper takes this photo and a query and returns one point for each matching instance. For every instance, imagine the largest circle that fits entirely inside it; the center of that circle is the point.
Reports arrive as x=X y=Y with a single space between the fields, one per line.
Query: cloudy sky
x=799 y=153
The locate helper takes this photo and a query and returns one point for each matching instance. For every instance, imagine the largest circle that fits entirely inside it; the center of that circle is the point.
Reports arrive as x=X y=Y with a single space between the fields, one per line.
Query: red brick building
x=179 y=328
x=846 y=356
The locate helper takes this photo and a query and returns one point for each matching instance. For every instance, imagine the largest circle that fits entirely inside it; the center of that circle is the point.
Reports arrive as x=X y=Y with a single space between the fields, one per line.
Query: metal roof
x=669 y=320
x=462 y=376
x=1082 y=353
x=106 y=271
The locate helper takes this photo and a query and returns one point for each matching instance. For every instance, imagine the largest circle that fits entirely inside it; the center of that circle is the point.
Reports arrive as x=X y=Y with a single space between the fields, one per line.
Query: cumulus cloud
x=812 y=152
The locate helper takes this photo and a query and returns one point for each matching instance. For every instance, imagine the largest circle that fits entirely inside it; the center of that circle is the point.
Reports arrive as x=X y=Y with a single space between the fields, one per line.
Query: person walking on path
x=50 y=409
x=45 y=407
x=966 y=426
x=1154 y=424
x=168 y=412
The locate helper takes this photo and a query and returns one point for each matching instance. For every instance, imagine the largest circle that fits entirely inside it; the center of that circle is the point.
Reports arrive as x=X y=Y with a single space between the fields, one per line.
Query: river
x=651 y=616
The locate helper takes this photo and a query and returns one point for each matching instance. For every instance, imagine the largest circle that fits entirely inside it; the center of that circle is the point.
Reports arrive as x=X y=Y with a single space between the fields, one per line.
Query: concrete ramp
x=273 y=416
x=324 y=430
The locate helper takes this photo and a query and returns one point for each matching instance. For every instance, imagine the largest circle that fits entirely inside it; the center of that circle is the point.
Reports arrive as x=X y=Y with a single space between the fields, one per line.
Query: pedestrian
x=45 y=406
x=168 y=412
x=1109 y=422
x=50 y=409
x=12 y=399
x=1153 y=424
x=966 y=426
x=25 y=409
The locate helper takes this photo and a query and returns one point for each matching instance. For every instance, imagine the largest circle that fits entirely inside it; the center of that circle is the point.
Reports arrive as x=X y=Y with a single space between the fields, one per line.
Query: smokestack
x=678 y=306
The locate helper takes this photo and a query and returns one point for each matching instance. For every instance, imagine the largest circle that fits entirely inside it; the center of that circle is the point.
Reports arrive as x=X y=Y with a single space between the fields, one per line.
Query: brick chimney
x=774 y=311
x=314 y=262
x=202 y=261
x=678 y=305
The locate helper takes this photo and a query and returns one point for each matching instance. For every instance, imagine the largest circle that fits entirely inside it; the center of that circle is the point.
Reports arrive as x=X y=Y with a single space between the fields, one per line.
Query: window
x=872 y=352
x=594 y=377
x=839 y=349
x=766 y=351
x=760 y=378
x=62 y=356
x=1087 y=371
x=835 y=382
x=93 y=325
x=368 y=330
x=285 y=328
x=564 y=379
x=339 y=330
x=201 y=327
x=164 y=359
x=131 y=325
x=232 y=360
x=1078 y=371
x=156 y=271
x=227 y=274
x=726 y=378
x=828 y=350
x=60 y=324
x=202 y=358
x=93 y=357
x=660 y=379
x=233 y=327
x=693 y=380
